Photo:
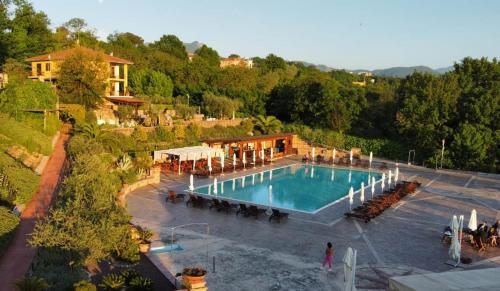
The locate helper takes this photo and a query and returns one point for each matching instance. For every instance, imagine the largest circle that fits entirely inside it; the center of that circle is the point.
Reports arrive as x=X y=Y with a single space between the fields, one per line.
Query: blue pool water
x=166 y=249
x=297 y=187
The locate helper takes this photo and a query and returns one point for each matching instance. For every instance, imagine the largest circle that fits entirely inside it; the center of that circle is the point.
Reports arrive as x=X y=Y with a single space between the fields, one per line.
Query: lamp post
x=442 y=153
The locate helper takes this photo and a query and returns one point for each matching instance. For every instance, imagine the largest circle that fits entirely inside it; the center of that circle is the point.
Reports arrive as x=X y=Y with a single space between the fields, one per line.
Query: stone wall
x=152 y=179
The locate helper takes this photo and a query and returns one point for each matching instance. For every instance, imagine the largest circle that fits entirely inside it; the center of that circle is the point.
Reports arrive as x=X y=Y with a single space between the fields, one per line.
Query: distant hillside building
x=236 y=62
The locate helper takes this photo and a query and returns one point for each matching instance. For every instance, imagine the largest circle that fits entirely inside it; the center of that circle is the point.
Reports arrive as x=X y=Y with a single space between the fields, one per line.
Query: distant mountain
x=445 y=70
x=402 y=72
x=191 y=47
x=323 y=68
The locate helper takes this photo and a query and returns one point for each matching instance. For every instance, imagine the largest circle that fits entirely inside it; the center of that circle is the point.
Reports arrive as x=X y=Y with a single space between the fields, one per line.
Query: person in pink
x=328 y=256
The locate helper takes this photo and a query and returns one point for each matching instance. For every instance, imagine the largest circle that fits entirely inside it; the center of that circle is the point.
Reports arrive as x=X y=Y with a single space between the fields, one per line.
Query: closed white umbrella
x=351 y=197
x=244 y=159
x=222 y=187
x=271 y=175
x=209 y=189
x=373 y=186
x=473 y=220
x=243 y=182
x=253 y=179
x=455 y=247
x=350 y=157
x=271 y=154
x=209 y=163
x=270 y=199
x=215 y=186
x=261 y=177
x=234 y=161
x=389 y=179
x=333 y=175
x=222 y=162
x=312 y=172
x=371 y=159
x=369 y=179
x=362 y=195
x=262 y=156
x=313 y=154
x=382 y=183
x=350 y=176
x=191 y=183
x=234 y=184
x=253 y=157
x=349 y=261
x=333 y=155
x=396 y=175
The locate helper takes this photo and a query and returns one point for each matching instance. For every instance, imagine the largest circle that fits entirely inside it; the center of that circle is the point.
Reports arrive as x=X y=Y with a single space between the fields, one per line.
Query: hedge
x=8 y=223
x=21 y=180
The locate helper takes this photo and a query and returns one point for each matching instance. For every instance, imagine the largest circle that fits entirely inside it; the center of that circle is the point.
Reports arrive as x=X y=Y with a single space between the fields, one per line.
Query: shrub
x=8 y=223
x=84 y=285
x=113 y=282
x=22 y=134
x=141 y=284
x=19 y=183
x=31 y=284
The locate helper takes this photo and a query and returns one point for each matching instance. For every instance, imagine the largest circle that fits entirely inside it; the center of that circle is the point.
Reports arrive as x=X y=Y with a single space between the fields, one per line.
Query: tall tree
x=82 y=78
x=29 y=32
x=172 y=45
x=209 y=55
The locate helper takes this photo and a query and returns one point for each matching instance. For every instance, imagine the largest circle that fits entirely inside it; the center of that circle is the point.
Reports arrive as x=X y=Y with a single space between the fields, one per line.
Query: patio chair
x=242 y=209
x=174 y=197
x=195 y=201
x=277 y=215
x=226 y=206
x=254 y=211
x=215 y=203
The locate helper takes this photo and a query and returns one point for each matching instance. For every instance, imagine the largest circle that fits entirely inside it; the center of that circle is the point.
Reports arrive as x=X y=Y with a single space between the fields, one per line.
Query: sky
x=349 y=34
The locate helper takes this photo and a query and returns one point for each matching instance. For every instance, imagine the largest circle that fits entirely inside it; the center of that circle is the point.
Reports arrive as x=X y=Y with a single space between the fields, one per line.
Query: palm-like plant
x=124 y=163
x=31 y=284
x=92 y=131
x=113 y=282
x=267 y=124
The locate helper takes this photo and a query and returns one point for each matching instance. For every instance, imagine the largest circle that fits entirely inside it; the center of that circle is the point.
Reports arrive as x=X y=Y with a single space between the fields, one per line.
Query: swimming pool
x=298 y=187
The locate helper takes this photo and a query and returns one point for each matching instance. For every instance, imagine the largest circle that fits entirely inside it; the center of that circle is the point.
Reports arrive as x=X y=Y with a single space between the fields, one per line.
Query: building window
x=38 y=69
x=47 y=67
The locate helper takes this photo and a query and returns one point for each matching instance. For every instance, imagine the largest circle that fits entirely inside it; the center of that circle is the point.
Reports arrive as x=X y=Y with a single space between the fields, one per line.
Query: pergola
x=193 y=153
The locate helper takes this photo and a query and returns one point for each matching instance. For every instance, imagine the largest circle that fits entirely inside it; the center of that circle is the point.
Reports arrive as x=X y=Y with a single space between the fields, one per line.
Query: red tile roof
x=63 y=54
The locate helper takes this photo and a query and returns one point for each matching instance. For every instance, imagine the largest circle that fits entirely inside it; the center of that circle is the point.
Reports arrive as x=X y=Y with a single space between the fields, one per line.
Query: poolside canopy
x=189 y=153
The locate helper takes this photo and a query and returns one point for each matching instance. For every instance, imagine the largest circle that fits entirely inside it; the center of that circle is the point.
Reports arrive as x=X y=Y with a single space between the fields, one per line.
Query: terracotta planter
x=192 y=280
x=144 y=247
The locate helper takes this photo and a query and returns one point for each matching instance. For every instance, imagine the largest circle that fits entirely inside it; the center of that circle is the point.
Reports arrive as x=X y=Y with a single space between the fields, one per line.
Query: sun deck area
x=245 y=253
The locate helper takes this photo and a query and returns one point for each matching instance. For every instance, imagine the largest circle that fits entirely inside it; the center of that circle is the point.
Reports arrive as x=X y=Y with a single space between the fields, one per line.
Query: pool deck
x=250 y=254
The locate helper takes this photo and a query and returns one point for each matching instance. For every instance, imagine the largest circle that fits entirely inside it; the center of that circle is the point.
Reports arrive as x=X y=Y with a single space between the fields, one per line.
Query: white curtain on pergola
x=189 y=154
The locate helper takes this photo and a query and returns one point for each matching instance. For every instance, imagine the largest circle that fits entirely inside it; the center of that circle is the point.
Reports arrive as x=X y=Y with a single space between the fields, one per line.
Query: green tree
x=171 y=45
x=82 y=78
x=92 y=131
x=471 y=146
x=219 y=106
x=86 y=219
x=29 y=31
x=267 y=124
x=209 y=55
x=31 y=284
x=155 y=86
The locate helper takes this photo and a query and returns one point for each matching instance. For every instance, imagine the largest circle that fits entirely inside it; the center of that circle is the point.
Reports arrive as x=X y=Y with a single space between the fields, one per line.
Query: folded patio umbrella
x=371 y=159
x=191 y=183
x=350 y=157
x=215 y=186
x=362 y=195
x=222 y=162
x=396 y=175
x=373 y=186
x=389 y=179
x=455 y=247
x=209 y=159
x=382 y=184
x=473 y=220
x=349 y=261
x=333 y=175
x=270 y=199
x=351 y=197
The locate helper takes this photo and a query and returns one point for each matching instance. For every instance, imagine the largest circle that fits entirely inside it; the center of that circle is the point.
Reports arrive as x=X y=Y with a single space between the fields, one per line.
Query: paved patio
x=248 y=254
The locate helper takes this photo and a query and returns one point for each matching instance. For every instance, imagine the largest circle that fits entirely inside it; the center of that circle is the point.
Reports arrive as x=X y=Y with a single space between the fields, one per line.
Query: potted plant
x=144 y=240
x=193 y=275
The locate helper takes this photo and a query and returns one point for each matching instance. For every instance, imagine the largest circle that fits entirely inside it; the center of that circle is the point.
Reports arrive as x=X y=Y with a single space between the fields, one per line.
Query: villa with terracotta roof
x=236 y=62
x=46 y=68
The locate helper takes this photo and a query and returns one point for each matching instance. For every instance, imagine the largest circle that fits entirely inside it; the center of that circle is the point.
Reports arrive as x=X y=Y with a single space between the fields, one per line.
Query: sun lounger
x=277 y=215
x=174 y=197
x=195 y=201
